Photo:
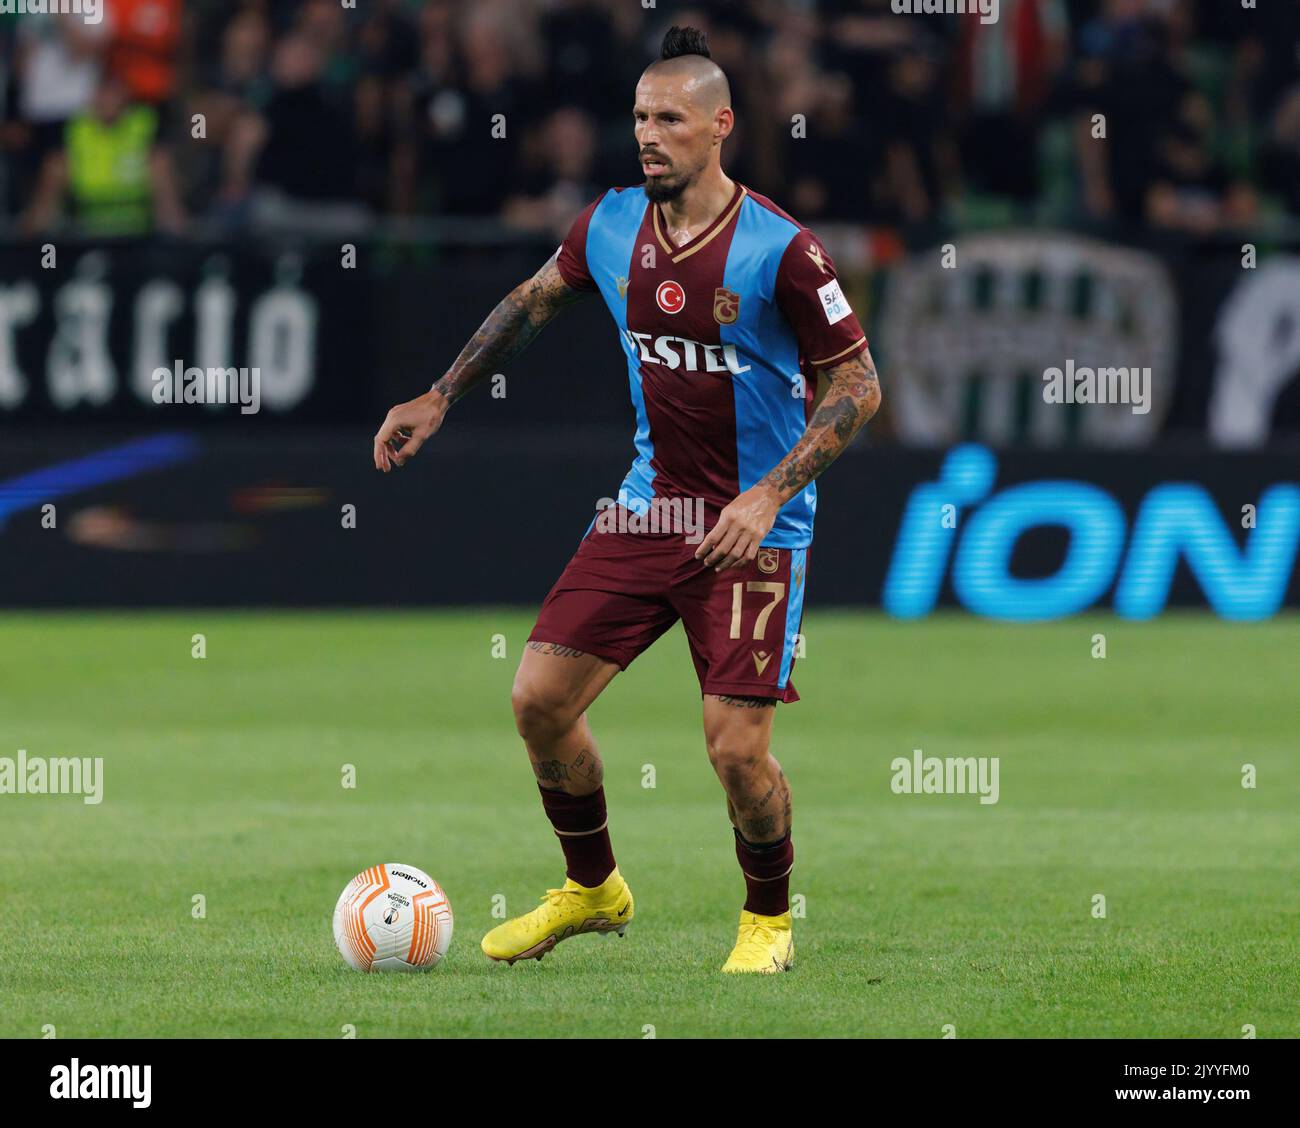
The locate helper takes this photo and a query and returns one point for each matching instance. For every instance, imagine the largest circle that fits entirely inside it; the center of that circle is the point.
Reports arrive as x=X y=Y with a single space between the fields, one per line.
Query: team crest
x=726 y=306
x=769 y=560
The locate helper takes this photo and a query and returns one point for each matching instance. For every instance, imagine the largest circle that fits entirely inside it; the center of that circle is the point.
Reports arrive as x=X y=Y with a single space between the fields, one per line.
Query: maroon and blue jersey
x=723 y=338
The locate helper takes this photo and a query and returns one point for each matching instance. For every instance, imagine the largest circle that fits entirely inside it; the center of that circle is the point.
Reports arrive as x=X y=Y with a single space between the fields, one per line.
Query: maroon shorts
x=622 y=590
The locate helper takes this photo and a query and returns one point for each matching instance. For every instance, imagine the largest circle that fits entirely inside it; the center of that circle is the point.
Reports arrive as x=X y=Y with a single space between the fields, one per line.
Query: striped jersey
x=723 y=337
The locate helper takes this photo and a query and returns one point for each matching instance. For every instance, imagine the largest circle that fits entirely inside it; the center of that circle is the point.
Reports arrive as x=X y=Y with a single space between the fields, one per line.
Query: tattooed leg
x=748 y=702
x=553 y=688
x=737 y=732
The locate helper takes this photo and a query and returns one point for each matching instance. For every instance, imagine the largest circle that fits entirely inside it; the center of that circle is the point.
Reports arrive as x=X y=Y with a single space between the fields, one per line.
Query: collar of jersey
x=676 y=254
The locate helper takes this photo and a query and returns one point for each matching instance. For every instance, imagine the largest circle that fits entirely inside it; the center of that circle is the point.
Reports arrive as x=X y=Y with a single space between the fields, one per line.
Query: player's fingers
x=744 y=553
x=382 y=452
x=736 y=556
x=718 y=560
x=409 y=448
x=722 y=548
x=714 y=552
x=714 y=535
x=387 y=429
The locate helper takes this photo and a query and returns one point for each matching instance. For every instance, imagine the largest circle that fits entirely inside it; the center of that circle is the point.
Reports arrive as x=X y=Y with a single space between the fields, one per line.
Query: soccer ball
x=392 y=918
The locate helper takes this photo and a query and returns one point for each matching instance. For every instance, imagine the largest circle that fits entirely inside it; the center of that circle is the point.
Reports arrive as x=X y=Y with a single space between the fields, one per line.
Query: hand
x=740 y=530
x=406 y=427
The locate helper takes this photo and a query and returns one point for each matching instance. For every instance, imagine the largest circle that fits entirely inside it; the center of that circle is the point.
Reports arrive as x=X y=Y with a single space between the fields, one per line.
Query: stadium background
x=343 y=221
x=346 y=213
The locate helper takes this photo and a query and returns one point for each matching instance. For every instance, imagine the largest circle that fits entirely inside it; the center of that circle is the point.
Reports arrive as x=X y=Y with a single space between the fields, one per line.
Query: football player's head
x=683 y=114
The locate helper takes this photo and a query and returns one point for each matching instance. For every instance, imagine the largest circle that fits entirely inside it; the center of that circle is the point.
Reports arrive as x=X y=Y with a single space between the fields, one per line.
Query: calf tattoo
x=587 y=765
x=768 y=817
x=550 y=771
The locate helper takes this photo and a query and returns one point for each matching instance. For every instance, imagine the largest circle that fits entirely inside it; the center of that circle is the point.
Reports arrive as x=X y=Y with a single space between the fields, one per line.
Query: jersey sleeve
x=572 y=256
x=808 y=293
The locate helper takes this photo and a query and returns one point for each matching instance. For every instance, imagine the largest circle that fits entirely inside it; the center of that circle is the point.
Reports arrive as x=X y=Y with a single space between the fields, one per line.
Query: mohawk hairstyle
x=684 y=41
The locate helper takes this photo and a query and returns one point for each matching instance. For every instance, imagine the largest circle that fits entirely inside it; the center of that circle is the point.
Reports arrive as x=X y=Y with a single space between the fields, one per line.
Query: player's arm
x=850 y=396
x=508 y=330
x=808 y=294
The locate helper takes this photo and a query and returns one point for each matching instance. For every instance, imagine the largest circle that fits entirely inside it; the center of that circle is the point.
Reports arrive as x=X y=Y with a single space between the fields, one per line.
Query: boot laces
x=756 y=937
x=557 y=900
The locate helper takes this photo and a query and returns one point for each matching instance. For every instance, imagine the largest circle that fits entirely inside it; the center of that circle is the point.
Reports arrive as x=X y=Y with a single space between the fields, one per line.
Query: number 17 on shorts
x=759 y=609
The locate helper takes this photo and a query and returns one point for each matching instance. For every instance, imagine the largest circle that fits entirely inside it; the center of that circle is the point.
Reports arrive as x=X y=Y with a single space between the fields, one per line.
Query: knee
x=735 y=761
x=539 y=714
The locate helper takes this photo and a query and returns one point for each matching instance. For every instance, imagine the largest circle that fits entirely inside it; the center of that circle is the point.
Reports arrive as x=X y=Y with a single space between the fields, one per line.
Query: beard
x=658 y=191
x=661 y=192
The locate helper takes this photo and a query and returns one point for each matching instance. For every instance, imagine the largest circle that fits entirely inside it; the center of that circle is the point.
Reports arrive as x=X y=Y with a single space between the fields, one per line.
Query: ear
x=724 y=121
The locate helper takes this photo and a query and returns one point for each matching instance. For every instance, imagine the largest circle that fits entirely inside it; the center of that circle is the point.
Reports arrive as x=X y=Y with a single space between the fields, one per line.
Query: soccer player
x=749 y=374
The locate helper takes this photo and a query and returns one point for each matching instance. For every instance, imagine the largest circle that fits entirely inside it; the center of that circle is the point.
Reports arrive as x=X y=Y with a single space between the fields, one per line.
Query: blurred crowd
x=240 y=113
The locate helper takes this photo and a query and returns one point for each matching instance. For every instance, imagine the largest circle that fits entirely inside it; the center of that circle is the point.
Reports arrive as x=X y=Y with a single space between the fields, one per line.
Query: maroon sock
x=580 y=825
x=766 y=867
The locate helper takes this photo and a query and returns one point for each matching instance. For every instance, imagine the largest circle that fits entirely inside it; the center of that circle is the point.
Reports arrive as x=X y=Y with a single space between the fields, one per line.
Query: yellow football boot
x=764 y=945
x=563 y=913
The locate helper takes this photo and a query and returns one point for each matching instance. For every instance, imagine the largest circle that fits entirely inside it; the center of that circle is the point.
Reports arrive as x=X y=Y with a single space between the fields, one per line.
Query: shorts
x=622 y=590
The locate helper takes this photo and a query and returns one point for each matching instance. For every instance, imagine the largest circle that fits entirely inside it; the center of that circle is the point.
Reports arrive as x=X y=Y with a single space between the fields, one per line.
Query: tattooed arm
x=508 y=330
x=851 y=397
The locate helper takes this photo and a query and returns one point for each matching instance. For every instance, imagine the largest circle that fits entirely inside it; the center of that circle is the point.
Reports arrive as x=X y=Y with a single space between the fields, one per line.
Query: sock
x=581 y=825
x=767 y=874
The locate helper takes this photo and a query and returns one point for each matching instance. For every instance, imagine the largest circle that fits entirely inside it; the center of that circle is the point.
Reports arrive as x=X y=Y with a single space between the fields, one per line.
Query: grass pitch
x=1119 y=776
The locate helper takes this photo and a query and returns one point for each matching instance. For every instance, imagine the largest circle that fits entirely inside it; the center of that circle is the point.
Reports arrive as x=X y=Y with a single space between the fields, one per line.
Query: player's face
x=673 y=136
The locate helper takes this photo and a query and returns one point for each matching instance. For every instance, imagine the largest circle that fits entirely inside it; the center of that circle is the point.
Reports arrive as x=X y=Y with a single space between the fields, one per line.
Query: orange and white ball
x=392 y=917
